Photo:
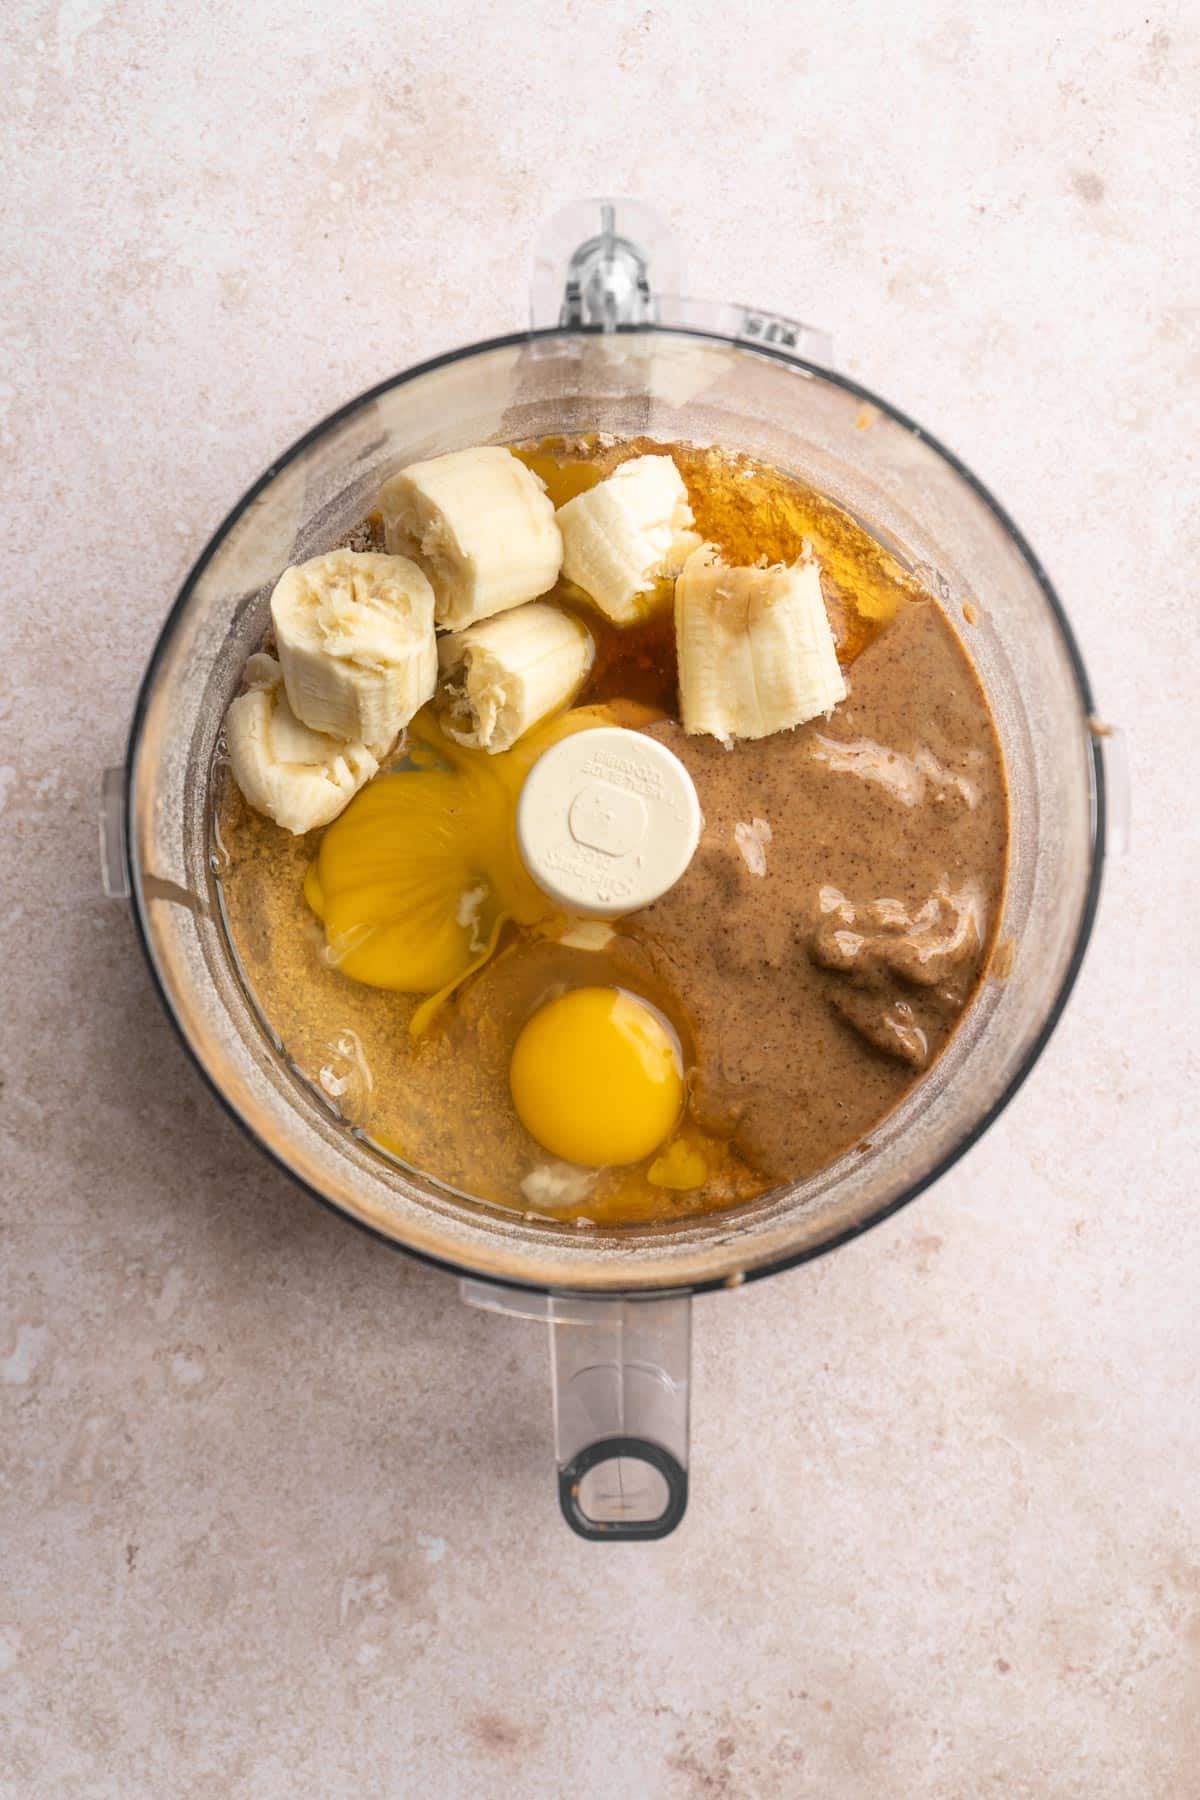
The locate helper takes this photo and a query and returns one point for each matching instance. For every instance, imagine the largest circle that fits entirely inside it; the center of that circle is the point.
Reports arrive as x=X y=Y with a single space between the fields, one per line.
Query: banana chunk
x=480 y=523
x=296 y=776
x=620 y=536
x=756 y=652
x=355 y=637
x=501 y=676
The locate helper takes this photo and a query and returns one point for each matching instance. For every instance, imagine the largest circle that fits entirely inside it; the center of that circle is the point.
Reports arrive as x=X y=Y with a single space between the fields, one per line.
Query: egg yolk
x=416 y=878
x=596 y=1077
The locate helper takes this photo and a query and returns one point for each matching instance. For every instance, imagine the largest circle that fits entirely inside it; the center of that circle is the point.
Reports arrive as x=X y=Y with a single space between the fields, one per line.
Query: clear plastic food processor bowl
x=609 y=353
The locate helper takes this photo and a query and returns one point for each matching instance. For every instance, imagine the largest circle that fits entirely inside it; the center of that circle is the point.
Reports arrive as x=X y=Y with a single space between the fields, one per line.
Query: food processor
x=613 y=348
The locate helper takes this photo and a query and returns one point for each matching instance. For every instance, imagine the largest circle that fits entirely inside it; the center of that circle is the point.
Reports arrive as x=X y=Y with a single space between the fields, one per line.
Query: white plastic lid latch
x=607 y=822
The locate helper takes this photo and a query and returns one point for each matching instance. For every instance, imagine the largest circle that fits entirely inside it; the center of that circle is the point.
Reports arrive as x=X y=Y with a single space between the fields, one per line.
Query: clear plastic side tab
x=613 y=264
x=114 y=859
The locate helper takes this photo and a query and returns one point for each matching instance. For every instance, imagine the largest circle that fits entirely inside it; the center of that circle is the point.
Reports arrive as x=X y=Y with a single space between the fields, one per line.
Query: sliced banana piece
x=481 y=525
x=501 y=676
x=296 y=776
x=622 y=535
x=756 y=652
x=355 y=636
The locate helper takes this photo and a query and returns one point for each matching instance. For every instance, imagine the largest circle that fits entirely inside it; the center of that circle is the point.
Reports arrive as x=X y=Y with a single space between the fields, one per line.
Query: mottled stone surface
x=275 y=1512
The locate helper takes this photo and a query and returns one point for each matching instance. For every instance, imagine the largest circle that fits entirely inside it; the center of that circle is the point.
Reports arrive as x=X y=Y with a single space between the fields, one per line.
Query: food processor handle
x=613 y=264
x=621 y=1373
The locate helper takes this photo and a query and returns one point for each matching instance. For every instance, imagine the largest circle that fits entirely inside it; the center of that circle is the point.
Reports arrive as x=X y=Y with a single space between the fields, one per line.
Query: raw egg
x=415 y=880
x=597 y=1077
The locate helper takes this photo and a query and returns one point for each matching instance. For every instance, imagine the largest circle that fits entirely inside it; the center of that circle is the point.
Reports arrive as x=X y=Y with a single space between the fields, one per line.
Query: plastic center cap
x=608 y=818
x=607 y=821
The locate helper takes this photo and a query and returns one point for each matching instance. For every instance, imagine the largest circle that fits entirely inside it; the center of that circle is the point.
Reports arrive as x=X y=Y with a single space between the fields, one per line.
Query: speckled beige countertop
x=276 y=1515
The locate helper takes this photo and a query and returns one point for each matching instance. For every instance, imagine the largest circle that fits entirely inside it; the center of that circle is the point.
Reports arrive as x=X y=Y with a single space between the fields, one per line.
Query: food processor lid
x=608 y=821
